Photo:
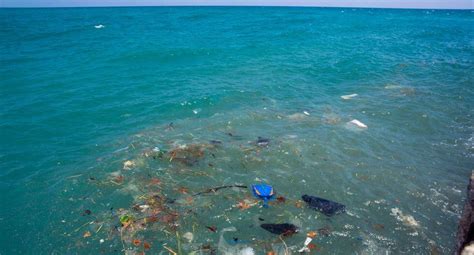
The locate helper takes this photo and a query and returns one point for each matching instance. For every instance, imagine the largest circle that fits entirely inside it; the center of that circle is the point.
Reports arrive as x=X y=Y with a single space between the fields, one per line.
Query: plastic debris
x=264 y=192
x=99 y=26
x=136 y=242
x=285 y=229
x=212 y=228
x=86 y=234
x=128 y=165
x=188 y=236
x=357 y=123
x=312 y=234
x=263 y=142
x=327 y=207
x=407 y=220
x=146 y=245
x=347 y=97
x=305 y=245
x=101 y=240
x=232 y=249
x=306 y=113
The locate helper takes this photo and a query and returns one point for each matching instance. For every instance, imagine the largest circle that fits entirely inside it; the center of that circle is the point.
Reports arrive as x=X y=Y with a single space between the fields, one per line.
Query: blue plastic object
x=264 y=192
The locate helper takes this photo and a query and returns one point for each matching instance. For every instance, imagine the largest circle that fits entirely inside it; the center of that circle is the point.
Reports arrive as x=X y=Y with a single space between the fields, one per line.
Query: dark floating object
x=263 y=142
x=284 y=229
x=327 y=207
x=212 y=228
x=215 y=142
x=86 y=212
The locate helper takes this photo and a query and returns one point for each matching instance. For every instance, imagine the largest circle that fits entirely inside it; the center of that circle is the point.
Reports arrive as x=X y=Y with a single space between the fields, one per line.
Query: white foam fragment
x=407 y=220
x=99 y=26
x=347 y=97
x=358 y=123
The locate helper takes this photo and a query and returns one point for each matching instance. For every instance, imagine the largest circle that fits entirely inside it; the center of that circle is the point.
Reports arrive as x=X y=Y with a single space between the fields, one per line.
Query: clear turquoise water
x=76 y=102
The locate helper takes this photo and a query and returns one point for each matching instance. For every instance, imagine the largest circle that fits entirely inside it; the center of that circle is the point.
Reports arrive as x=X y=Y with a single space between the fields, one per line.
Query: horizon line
x=231 y=5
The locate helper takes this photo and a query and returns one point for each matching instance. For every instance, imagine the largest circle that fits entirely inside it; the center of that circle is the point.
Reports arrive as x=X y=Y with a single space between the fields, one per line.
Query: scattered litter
x=99 y=26
x=128 y=165
x=196 y=111
x=325 y=231
x=188 y=154
x=215 y=142
x=312 y=234
x=146 y=245
x=306 y=113
x=305 y=247
x=407 y=220
x=212 y=228
x=87 y=234
x=327 y=207
x=347 y=97
x=188 y=236
x=357 y=123
x=225 y=248
x=285 y=229
x=263 y=142
x=264 y=192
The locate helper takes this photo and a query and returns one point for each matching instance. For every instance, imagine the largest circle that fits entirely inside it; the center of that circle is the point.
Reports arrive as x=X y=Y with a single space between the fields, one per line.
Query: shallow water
x=78 y=101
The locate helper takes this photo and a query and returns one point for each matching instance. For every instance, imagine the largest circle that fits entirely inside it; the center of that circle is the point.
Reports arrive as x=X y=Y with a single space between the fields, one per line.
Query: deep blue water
x=78 y=101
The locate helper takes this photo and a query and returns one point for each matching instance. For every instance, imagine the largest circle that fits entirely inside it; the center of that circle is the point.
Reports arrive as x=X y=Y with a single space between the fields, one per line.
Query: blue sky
x=443 y=4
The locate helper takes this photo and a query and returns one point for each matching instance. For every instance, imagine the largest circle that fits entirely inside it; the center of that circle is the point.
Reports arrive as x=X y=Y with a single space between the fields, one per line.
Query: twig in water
x=213 y=190
x=286 y=247
x=170 y=250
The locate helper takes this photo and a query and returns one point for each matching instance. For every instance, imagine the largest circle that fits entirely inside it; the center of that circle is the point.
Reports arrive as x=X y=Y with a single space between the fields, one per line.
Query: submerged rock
x=327 y=207
x=465 y=233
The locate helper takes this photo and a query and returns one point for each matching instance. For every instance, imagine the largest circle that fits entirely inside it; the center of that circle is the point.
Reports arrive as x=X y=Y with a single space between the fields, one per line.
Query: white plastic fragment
x=347 y=97
x=102 y=241
x=305 y=245
x=306 y=113
x=247 y=251
x=127 y=165
x=358 y=123
x=406 y=219
x=188 y=236
x=144 y=207
x=99 y=26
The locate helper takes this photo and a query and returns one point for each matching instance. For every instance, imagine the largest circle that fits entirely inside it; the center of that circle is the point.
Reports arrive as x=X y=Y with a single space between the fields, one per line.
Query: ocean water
x=95 y=123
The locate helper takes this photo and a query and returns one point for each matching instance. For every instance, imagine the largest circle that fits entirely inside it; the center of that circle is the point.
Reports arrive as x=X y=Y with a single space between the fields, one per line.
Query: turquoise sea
x=112 y=119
